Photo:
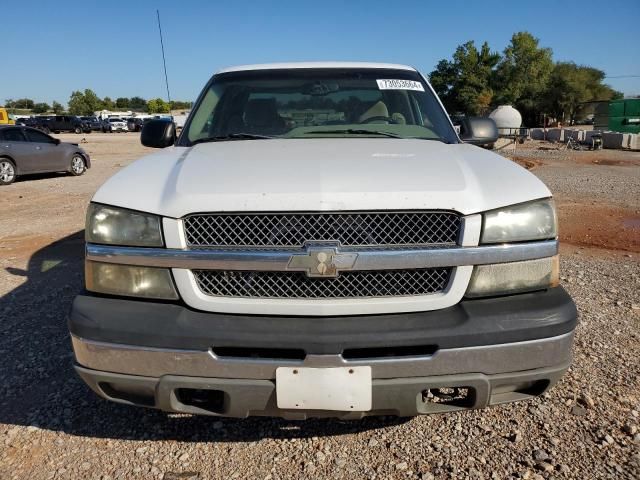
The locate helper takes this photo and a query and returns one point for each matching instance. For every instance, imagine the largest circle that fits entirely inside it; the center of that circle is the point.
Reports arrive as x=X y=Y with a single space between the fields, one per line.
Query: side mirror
x=478 y=131
x=56 y=141
x=158 y=133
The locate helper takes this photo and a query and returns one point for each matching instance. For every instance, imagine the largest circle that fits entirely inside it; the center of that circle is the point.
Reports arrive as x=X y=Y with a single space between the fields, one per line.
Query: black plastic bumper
x=248 y=397
x=470 y=323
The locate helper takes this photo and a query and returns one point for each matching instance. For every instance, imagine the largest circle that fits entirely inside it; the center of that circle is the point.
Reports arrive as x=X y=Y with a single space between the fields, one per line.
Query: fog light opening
x=210 y=400
x=456 y=396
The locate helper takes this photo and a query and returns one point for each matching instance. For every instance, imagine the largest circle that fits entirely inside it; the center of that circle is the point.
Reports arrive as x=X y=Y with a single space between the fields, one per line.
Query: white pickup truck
x=319 y=241
x=116 y=124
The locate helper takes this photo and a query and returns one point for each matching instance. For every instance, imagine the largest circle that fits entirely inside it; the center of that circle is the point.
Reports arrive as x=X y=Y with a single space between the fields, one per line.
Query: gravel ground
x=52 y=426
x=604 y=175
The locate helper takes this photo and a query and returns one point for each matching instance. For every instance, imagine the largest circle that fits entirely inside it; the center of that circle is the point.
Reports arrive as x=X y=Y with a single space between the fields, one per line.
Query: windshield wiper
x=355 y=131
x=362 y=131
x=231 y=136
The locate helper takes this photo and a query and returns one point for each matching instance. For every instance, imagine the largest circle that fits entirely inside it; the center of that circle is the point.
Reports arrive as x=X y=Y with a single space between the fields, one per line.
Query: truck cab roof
x=301 y=65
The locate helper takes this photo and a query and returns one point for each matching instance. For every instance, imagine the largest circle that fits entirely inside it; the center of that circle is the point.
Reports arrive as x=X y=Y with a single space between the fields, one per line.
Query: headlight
x=145 y=282
x=118 y=226
x=527 y=221
x=515 y=277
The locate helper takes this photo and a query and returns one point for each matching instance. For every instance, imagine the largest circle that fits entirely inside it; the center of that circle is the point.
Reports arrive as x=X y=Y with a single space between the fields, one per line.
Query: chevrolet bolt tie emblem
x=324 y=262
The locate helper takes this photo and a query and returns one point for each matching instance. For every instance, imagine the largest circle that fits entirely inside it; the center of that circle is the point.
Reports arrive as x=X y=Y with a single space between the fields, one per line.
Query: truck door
x=58 y=123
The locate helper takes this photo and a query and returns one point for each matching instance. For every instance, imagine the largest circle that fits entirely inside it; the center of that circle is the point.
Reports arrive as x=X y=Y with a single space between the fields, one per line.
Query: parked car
x=116 y=124
x=25 y=121
x=25 y=150
x=64 y=123
x=94 y=123
x=135 y=124
x=34 y=122
x=319 y=241
x=40 y=122
x=105 y=124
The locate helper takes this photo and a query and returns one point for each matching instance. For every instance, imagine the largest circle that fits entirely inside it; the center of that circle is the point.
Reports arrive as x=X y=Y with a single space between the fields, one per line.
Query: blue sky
x=51 y=48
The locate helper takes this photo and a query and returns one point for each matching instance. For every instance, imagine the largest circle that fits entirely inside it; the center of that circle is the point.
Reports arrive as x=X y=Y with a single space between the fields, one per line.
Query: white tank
x=506 y=118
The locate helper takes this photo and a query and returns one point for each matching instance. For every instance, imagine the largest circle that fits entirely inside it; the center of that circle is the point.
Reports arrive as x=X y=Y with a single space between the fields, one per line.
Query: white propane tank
x=507 y=118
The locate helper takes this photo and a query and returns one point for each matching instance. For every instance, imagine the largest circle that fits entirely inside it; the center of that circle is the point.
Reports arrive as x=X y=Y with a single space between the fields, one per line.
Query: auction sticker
x=395 y=84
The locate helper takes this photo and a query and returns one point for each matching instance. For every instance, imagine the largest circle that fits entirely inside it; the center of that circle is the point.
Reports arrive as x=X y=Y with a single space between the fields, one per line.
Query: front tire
x=78 y=130
x=78 y=166
x=7 y=171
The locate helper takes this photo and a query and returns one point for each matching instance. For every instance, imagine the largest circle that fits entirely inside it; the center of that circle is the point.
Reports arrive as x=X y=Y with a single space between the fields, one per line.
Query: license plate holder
x=335 y=388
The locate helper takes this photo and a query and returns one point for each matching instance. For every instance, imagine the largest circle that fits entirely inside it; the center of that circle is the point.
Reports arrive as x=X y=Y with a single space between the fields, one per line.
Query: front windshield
x=318 y=103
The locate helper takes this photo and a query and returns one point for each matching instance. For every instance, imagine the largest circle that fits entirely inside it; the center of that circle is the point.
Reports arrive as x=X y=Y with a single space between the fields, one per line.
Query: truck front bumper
x=170 y=357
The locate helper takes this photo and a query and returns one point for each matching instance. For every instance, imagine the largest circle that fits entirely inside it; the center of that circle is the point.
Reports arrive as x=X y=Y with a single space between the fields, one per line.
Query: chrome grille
x=294 y=229
x=353 y=284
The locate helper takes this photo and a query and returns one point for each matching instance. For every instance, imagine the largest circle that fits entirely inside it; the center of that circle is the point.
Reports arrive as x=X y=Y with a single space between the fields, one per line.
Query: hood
x=320 y=175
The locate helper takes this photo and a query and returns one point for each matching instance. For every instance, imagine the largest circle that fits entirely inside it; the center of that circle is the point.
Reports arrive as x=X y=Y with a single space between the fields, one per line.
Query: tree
x=569 y=88
x=122 y=102
x=25 y=103
x=84 y=103
x=157 y=105
x=522 y=75
x=57 y=108
x=180 y=105
x=464 y=84
x=108 y=104
x=525 y=76
x=41 y=107
x=137 y=103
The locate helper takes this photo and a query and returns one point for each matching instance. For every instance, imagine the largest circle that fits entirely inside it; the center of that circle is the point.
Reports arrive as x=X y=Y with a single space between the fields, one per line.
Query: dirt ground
x=52 y=426
x=597 y=193
x=55 y=204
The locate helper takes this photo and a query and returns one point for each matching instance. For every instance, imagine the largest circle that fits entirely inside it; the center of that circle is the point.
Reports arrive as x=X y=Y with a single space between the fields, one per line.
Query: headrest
x=378 y=109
